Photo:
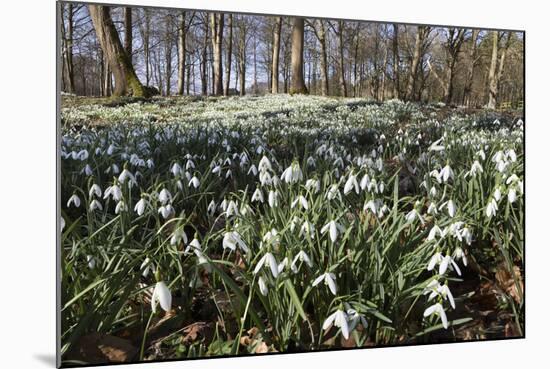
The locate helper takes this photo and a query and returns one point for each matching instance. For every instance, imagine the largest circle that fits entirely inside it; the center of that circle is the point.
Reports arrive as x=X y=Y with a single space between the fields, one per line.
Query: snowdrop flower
x=166 y=211
x=74 y=199
x=62 y=223
x=434 y=232
x=438 y=310
x=258 y=196
x=437 y=258
x=177 y=236
x=512 y=195
x=491 y=209
x=497 y=194
x=313 y=184
x=140 y=206
x=263 y=286
x=446 y=173
x=307 y=229
x=126 y=175
x=340 y=319
x=91 y=261
x=87 y=170
x=194 y=182
x=176 y=169
x=264 y=164
x=332 y=192
x=252 y=170
x=95 y=190
x=165 y=196
x=293 y=173
x=189 y=165
x=303 y=257
x=211 y=208
x=162 y=295
x=447 y=262
x=330 y=280
x=233 y=239
x=433 y=191
x=146 y=267
x=333 y=228
x=193 y=245
x=301 y=200
x=120 y=206
x=268 y=260
x=365 y=182
x=432 y=209
x=413 y=214
x=232 y=209
x=217 y=170
x=459 y=254
x=113 y=191
x=476 y=168
x=95 y=205
x=351 y=183
x=451 y=208
x=271 y=237
x=273 y=199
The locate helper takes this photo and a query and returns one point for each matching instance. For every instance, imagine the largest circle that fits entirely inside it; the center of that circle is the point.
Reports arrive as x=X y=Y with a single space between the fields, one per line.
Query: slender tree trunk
x=471 y=67
x=204 y=61
x=342 y=71
x=181 y=53
x=297 y=83
x=395 y=52
x=146 y=51
x=126 y=80
x=503 y=55
x=128 y=31
x=216 y=23
x=275 y=58
x=168 y=54
x=70 y=67
x=324 y=61
x=419 y=40
x=493 y=85
x=229 y=53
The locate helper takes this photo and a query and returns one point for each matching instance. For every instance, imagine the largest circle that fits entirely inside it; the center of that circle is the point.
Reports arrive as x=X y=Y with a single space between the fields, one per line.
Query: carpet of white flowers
x=284 y=223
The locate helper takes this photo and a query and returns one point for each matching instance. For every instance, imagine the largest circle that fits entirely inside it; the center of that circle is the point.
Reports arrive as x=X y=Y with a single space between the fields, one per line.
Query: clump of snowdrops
x=320 y=220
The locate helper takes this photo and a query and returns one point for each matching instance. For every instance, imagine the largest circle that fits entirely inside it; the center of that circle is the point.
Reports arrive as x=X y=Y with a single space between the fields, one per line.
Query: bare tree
x=181 y=52
x=126 y=80
x=472 y=59
x=298 y=85
x=216 y=24
x=229 y=53
x=494 y=73
x=455 y=38
x=421 y=33
x=275 y=58
x=395 y=54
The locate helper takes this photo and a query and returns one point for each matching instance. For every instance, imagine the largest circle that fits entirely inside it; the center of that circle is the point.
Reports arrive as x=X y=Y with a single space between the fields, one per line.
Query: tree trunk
x=128 y=31
x=229 y=53
x=297 y=59
x=395 y=51
x=255 y=81
x=342 y=72
x=126 y=80
x=181 y=53
x=168 y=54
x=204 y=61
x=471 y=67
x=324 y=61
x=216 y=23
x=275 y=61
x=419 y=40
x=493 y=85
x=68 y=37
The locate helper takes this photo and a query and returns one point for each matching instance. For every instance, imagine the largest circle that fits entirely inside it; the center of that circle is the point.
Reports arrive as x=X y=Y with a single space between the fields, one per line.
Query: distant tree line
x=114 y=51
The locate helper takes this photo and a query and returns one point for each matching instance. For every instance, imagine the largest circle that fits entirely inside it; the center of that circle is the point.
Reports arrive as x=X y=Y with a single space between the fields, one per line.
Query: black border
x=58 y=188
